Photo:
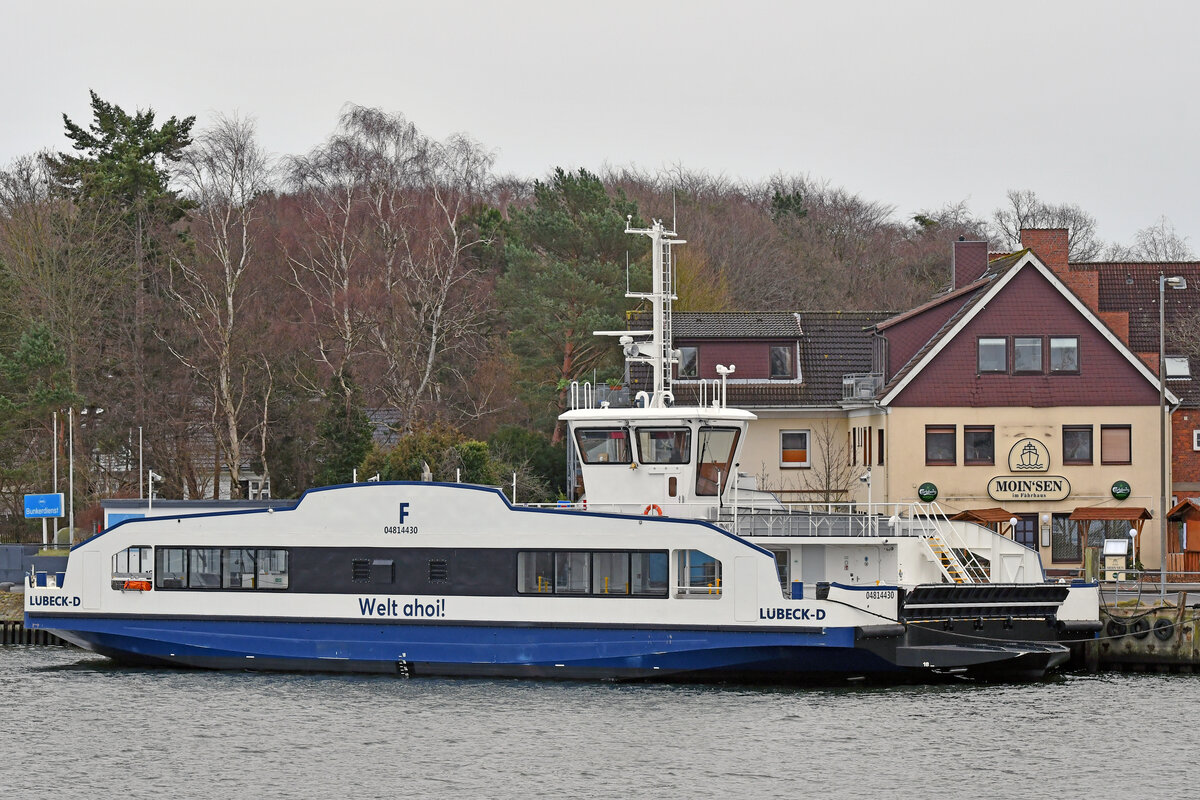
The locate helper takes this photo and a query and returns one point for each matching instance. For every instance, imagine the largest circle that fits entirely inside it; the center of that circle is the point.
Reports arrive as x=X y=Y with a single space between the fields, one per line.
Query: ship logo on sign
x=1029 y=455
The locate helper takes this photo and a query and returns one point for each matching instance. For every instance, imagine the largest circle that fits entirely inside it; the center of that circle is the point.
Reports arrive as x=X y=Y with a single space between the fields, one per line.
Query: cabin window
x=571 y=573
x=689 y=362
x=605 y=573
x=1115 y=445
x=664 y=445
x=133 y=568
x=793 y=449
x=783 y=568
x=272 y=569
x=993 y=354
x=204 y=567
x=240 y=571
x=648 y=574
x=781 y=357
x=603 y=445
x=610 y=573
x=699 y=574
x=1064 y=354
x=220 y=568
x=535 y=573
x=716 y=447
x=1077 y=444
x=133 y=562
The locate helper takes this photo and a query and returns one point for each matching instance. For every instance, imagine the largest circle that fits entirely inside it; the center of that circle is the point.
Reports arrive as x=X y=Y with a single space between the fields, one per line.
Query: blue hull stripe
x=617 y=652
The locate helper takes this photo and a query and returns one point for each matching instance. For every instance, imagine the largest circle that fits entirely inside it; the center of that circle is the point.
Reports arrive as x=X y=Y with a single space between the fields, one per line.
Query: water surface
x=78 y=724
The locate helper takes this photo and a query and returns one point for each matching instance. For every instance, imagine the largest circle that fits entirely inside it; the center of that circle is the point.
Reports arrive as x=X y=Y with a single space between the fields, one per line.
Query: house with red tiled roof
x=1011 y=395
x=806 y=375
x=1126 y=296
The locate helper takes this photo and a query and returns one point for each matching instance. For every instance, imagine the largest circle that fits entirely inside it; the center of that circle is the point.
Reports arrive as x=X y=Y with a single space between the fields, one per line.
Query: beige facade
x=964 y=486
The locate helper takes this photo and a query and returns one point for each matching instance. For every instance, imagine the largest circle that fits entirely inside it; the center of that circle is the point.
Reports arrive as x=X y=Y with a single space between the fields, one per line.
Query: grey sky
x=911 y=104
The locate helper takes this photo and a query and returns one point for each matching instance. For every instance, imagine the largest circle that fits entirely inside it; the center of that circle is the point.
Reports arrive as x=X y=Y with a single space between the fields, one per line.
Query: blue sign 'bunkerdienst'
x=40 y=506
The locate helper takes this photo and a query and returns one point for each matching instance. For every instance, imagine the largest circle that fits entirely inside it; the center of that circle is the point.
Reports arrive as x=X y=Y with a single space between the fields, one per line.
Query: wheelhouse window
x=716 y=447
x=782 y=358
x=664 y=445
x=611 y=573
x=699 y=574
x=1115 y=444
x=993 y=354
x=1064 y=354
x=689 y=362
x=603 y=445
x=979 y=444
x=1027 y=354
x=1077 y=444
x=793 y=449
x=940 y=445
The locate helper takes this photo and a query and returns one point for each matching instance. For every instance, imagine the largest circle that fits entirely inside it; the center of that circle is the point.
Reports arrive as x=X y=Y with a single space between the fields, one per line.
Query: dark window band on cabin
x=638 y=573
x=205 y=568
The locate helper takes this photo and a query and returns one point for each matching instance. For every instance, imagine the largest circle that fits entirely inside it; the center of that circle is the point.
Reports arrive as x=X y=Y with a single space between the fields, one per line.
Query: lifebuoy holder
x=653 y=508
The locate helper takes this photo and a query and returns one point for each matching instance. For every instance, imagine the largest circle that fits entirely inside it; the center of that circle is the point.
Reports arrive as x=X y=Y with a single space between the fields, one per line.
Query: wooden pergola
x=1134 y=515
x=997 y=519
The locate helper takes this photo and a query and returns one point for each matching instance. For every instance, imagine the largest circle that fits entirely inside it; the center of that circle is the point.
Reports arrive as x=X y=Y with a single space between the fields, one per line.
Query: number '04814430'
x=400 y=529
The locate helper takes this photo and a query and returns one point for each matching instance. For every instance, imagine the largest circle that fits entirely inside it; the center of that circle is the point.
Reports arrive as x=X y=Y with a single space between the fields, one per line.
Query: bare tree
x=435 y=276
x=1026 y=210
x=1157 y=242
x=223 y=173
x=831 y=475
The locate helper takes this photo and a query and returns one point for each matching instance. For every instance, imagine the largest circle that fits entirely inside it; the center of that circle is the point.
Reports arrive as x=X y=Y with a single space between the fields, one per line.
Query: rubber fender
x=1140 y=628
x=1115 y=628
x=1164 y=629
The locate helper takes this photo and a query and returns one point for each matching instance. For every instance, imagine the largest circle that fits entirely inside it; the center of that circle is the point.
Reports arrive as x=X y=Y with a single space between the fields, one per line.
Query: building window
x=940 y=446
x=1077 y=444
x=781 y=361
x=689 y=362
x=879 y=454
x=993 y=355
x=1064 y=539
x=1196 y=440
x=1064 y=354
x=1027 y=354
x=979 y=444
x=793 y=449
x=1115 y=444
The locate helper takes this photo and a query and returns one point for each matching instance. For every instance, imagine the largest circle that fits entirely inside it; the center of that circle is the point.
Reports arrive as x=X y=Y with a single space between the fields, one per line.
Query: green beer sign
x=927 y=492
x=1121 y=490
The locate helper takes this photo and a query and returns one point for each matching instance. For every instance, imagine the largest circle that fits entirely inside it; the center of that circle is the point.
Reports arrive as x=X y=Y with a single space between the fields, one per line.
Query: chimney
x=968 y=262
x=1049 y=245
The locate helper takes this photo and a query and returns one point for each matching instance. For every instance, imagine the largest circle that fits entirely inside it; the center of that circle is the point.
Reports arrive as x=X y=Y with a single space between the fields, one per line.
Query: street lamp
x=1175 y=282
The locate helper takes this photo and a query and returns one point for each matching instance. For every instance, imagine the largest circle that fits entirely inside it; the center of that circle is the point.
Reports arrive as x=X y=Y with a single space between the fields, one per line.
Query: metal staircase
x=958 y=564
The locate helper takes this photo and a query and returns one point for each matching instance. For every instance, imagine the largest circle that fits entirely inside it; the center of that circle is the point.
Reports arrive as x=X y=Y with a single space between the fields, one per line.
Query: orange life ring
x=653 y=507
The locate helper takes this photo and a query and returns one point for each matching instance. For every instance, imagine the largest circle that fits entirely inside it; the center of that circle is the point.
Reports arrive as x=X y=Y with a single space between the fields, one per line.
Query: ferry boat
x=671 y=568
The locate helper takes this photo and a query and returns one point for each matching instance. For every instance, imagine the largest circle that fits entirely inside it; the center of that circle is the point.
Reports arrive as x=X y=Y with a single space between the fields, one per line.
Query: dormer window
x=1176 y=367
x=782 y=361
x=1064 y=354
x=993 y=354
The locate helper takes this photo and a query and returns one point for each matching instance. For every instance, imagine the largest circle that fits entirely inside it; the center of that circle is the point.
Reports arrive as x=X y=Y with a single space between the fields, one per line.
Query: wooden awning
x=1110 y=513
x=984 y=516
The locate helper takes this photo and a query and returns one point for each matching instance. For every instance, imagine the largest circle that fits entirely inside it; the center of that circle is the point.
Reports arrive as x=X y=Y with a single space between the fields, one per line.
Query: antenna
x=674 y=215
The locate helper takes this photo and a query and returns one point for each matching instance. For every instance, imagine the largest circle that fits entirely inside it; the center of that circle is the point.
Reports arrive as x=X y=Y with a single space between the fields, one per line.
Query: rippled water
x=77 y=726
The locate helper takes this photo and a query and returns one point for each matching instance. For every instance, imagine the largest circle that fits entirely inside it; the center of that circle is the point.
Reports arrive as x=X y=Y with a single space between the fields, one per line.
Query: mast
x=660 y=354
